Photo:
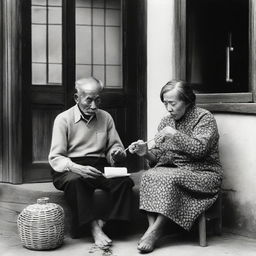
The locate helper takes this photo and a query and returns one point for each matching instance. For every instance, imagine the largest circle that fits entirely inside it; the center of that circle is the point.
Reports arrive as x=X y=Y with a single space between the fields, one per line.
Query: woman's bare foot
x=147 y=244
x=151 y=220
x=100 y=238
x=145 y=234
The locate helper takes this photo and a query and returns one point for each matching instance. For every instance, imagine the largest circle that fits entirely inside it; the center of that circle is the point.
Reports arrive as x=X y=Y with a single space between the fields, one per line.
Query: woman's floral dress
x=187 y=176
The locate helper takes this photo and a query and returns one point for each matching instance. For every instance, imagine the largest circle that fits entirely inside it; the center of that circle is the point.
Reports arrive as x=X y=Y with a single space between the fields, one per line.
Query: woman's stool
x=214 y=213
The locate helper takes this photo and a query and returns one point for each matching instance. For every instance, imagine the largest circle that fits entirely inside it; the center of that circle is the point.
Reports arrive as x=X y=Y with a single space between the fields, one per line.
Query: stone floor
x=225 y=245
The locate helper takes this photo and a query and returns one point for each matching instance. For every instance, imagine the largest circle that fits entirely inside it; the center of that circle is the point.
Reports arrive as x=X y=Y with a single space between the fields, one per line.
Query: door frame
x=11 y=91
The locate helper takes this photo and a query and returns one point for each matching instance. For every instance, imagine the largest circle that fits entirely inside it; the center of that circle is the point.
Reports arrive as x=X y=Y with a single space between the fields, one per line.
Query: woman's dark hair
x=185 y=91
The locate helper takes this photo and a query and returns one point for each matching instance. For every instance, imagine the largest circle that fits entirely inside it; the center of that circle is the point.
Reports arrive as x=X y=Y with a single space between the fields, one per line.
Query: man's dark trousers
x=79 y=192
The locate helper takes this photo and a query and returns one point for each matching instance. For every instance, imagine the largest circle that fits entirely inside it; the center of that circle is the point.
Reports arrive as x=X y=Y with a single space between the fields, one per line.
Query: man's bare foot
x=100 y=238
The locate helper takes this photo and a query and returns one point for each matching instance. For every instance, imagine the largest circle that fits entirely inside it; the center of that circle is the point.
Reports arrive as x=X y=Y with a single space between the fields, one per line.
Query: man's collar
x=79 y=115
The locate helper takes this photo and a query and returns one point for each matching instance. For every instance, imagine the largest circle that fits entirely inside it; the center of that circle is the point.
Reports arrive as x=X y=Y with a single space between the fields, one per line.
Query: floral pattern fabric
x=187 y=176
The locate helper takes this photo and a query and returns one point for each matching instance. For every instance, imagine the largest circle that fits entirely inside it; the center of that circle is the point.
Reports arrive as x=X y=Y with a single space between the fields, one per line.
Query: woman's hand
x=139 y=147
x=166 y=132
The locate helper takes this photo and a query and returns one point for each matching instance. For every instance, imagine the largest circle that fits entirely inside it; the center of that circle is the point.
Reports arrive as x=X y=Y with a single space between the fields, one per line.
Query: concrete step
x=14 y=198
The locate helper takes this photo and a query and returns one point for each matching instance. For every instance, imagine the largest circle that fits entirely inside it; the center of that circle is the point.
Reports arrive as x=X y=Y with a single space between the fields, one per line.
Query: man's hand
x=139 y=147
x=85 y=171
x=118 y=155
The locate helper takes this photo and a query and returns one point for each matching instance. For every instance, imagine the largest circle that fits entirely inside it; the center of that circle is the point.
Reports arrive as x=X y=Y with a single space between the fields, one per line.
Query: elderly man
x=84 y=141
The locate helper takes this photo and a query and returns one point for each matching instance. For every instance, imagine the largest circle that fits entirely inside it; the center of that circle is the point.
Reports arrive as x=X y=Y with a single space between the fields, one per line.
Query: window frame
x=218 y=102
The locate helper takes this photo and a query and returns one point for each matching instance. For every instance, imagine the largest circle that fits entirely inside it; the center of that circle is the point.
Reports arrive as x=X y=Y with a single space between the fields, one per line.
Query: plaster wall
x=160 y=54
x=237 y=152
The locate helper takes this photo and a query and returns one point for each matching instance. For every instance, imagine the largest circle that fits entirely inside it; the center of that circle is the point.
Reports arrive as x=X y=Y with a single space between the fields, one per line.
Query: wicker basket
x=41 y=225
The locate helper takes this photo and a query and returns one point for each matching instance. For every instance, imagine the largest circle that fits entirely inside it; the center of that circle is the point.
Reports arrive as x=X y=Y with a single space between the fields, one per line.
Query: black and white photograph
x=127 y=127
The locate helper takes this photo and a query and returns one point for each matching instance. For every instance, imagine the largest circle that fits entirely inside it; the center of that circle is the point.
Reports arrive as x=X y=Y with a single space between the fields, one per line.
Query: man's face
x=88 y=100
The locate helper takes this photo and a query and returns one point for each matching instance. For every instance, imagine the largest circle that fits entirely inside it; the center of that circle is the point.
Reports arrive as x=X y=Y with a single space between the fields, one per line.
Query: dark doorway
x=217 y=45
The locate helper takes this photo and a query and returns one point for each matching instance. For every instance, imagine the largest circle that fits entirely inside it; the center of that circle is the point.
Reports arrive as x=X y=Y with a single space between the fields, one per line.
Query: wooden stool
x=214 y=213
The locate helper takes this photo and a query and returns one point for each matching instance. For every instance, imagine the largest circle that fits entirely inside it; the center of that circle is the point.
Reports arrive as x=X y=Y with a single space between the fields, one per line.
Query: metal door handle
x=229 y=49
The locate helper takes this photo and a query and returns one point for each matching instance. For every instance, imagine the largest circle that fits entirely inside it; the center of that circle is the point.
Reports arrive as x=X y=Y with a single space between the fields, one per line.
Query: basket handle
x=43 y=200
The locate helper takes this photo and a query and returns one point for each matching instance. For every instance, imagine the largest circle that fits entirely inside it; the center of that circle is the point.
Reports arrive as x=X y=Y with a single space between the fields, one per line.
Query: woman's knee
x=147 y=176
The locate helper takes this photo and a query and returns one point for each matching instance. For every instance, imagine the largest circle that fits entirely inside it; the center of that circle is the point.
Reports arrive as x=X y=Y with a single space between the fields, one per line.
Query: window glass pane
x=98 y=45
x=83 y=16
x=55 y=73
x=38 y=73
x=38 y=2
x=46 y=41
x=98 y=3
x=83 y=3
x=217 y=49
x=55 y=2
x=113 y=45
x=113 y=17
x=98 y=72
x=113 y=76
x=83 y=71
x=98 y=17
x=83 y=45
x=38 y=43
x=98 y=41
x=113 y=4
x=55 y=45
x=38 y=14
x=55 y=15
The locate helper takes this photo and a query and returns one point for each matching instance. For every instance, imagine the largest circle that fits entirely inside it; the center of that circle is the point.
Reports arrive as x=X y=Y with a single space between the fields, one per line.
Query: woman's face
x=174 y=105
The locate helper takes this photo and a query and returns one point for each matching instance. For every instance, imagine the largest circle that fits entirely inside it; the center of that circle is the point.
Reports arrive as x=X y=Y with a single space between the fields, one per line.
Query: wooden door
x=50 y=91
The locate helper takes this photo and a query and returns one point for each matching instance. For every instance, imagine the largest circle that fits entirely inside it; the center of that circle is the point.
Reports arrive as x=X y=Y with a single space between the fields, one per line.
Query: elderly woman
x=186 y=173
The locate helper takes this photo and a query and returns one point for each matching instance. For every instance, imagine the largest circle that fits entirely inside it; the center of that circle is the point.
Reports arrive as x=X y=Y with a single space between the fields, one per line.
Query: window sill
x=241 y=97
x=244 y=108
x=227 y=102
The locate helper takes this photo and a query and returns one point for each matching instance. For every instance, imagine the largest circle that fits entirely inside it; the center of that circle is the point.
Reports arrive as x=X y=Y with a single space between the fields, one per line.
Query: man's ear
x=76 y=97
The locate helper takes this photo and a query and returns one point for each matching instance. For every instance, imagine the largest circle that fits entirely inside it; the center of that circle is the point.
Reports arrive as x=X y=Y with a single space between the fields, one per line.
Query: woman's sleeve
x=204 y=134
x=157 y=150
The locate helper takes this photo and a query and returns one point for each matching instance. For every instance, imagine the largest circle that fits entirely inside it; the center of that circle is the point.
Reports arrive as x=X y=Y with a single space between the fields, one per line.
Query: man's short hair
x=83 y=81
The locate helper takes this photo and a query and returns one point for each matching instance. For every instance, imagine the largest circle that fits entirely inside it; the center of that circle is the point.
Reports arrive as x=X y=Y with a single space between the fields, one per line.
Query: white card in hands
x=113 y=172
